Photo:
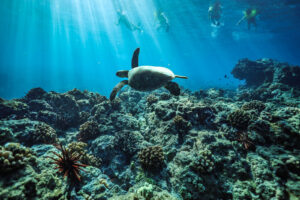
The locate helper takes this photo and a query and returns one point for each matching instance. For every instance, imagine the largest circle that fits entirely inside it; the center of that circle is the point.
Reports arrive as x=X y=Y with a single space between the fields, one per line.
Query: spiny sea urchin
x=243 y=138
x=67 y=163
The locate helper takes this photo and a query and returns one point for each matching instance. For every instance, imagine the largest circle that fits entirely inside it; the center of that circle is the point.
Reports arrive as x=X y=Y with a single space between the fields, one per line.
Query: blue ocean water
x=64 y=44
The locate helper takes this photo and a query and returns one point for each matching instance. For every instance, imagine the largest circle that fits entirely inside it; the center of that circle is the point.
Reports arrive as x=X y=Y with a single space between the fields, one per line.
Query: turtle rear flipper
x=116 y=89
x=184 y=77
x=173 y=88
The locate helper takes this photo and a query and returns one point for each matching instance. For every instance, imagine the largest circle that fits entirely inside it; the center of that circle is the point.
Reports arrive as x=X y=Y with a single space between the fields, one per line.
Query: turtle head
x=122 y=73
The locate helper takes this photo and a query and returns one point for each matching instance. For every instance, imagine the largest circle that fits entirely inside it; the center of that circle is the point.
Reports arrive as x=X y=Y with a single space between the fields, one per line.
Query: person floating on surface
x=214 y=13
x=123 y=19
x=163 y=21
x=250 y=15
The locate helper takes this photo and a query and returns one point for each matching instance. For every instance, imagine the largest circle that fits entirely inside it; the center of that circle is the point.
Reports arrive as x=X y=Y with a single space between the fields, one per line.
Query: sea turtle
x=146 y=78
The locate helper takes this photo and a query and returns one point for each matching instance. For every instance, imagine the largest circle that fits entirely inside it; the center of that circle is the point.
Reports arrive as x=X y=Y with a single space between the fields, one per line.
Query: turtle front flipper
x=116 y=89
x=135 y=58
x=173 y=88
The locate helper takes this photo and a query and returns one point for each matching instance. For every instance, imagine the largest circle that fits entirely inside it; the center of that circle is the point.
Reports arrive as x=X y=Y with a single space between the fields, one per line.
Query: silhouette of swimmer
x=250 y=16
x=214 y=13
x=123 y=19
x=163 y=21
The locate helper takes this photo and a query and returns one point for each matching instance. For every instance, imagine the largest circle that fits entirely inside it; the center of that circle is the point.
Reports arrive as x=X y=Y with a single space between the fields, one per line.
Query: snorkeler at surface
x=214 y=13
x=123 y=19
x=250 y=16
x=163 y=21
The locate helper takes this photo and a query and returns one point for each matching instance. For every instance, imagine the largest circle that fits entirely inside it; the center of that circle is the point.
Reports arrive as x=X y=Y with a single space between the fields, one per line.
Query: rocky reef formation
x=267 y=71
x=208 y=144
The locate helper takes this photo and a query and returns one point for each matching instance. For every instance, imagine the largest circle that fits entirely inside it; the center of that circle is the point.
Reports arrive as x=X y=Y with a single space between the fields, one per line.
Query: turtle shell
x=147 y=78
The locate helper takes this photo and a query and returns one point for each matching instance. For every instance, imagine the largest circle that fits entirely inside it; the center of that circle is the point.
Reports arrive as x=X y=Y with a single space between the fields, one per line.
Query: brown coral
x=128 y=141
x=84 y=116
x=151 y=158
x=35 y=93
x=84 y=157
x=239 y=119
x=13 y=108
x=77 y=94
x=5 y=135
x=204 y=162
x=254 y=105
x=88 y=130
x=181 y=125
x=66 y=108
x=43 y=133
x=14 y=156
x=151 y=99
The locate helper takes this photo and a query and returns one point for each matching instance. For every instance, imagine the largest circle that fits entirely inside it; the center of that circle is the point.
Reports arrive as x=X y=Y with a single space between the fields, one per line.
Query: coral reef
x=181 y=124
x=188 y=184
x=145 y=192
x=151 y=158
x=254 y=105
x=35 y=93
x=208 y=144
x=84 y=157
x=204 y=162
x=239 y=119
x=151 y=99
x=163 y=110
x=88 y=130
x=13 y=109
x=44 y=133
x=5 y=135
x=128 y=142
x=204 y=114
x=14 y=156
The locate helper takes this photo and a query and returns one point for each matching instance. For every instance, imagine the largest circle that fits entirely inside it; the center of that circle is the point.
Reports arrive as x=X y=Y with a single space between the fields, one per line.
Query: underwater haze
x=64 y=44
